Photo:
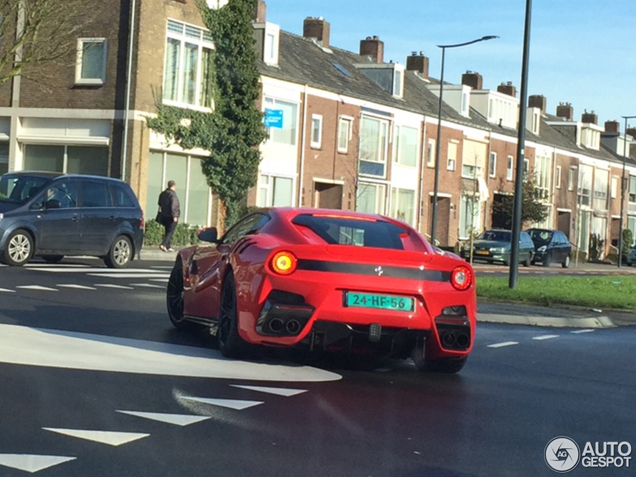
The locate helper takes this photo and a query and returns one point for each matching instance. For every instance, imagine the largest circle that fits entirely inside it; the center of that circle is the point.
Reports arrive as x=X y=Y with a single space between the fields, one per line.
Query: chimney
x=589 y=118
x=473 y=79
x=538 y=101
x=417 y=63
x=373 y=47
x=260 y=12
x=318 y=29
x=507 y=88
x=612 y=127
x=565 y=111
x=631 y=132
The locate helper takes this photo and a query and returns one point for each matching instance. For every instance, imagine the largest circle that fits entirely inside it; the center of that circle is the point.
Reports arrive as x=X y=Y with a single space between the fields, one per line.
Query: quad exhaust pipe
x=452 y=339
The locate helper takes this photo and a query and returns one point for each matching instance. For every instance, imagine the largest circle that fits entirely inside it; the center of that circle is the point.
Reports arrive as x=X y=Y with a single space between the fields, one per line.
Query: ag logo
x=562 y=454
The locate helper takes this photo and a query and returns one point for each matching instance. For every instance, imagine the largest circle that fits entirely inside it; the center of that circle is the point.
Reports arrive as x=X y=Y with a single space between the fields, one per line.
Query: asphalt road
x=96 y=382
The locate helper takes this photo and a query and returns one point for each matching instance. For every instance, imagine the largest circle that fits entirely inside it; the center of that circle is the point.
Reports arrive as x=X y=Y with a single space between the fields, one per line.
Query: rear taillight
x=462 y=278
x=284 y=263
x=142 y=221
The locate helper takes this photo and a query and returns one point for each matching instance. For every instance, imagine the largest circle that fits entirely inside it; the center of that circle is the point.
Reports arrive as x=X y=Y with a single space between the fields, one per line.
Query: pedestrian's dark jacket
x=169 y=204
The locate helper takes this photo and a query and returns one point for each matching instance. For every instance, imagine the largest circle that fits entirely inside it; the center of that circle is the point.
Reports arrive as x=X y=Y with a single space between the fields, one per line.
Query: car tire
x=229 y=342
x=566 y=262
x=18 y=249
x=527 y=261
x=174 y=298
x=120 y=253
x=547 y=260
x=52 y=258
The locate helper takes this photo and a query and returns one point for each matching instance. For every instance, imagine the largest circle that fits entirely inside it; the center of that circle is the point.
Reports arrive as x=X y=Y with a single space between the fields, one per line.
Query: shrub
x=184 y=234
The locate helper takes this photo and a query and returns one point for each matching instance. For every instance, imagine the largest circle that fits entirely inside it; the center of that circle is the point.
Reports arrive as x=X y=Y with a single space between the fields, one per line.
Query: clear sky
x=582 y=51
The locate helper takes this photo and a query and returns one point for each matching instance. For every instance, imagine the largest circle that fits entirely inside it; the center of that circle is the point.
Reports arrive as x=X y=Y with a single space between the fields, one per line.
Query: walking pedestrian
x=169 y=212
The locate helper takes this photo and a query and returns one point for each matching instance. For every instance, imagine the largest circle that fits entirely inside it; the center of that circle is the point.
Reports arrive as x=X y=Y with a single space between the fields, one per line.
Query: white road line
x=147 y=285
x=129 y=275
x=96 y=269
x=59 y=265
x=76 y=287
x=505 y=343
x=161 y=280
x=36 y=287
x=287 y=392
x=103 y=437
x=578 y=332
x=545 y=337
x=32 y=463
x=165 y=267
x=110 y=285
x=6 y=290
x=176 y=419
x=236 y=404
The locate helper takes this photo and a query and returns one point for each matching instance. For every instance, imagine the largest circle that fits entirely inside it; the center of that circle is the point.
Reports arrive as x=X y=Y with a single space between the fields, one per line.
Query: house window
x=194 y=192
x=451 y=163
x=526 y=169
x=269 y=55
x=403 y=205
x=406 y=146
x=585 y=185
x=4 y=158
x=275 y=191
x=492 y=164
x=344 y=134
x=370 y=198
x=614 y=187
x=91 y=61
x=186 y=67
x=316 y=131
x=430 y=153
x=510 y=170
x=91 y=160
x=286 y=134
x=571 y=174
x=600 y=189
x=468 y=215
x=373 y=146
x=542 y=175
x=632 y=189
x=558 y=177
x=397 y=85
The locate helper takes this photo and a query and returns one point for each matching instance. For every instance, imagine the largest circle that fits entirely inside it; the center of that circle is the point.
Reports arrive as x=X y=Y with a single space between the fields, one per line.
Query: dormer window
x=398 y=82
x=389 y=76
x=267 y=37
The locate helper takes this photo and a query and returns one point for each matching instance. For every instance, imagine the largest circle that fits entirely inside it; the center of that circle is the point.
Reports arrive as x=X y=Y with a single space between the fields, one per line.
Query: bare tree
x=37 y=31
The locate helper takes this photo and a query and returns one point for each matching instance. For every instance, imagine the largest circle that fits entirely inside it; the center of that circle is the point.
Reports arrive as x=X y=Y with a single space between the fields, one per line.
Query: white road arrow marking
x=103 y=437
x=72 y=350
x=229 y=403
x=36 y=287
x=278 y=391
x=176 y=419
x=32 y=463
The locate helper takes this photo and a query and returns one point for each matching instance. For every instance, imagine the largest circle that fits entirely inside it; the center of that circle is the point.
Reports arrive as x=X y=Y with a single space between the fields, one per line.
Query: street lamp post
x=620 y=221
x=439 y=128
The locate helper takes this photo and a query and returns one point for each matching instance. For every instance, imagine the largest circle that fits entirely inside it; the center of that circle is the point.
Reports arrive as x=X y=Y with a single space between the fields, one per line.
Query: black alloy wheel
x=174 y=298
x=230 y=343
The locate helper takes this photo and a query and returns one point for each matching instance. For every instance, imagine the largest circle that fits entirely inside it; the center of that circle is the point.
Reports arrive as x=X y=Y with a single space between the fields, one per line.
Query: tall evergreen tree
x=533 y=210
x=234 y=129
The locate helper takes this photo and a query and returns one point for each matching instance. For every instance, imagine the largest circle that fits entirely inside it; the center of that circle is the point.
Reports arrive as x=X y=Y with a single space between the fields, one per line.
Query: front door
x=57 y=219
x=328 y=196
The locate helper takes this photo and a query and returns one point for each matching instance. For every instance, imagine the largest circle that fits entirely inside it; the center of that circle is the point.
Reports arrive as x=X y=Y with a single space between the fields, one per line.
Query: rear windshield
x=336 y=230
x=496 y=235
x=19 y=189
x=540 y=236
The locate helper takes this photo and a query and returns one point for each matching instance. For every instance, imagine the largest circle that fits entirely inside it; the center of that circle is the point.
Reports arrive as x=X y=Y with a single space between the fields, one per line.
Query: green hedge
x=183 y=236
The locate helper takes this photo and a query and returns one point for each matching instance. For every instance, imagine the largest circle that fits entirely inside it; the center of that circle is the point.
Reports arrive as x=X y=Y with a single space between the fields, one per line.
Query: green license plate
x=383 y=302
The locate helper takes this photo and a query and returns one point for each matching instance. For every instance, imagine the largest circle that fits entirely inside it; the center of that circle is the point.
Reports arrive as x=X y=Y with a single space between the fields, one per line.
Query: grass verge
x=615 y=292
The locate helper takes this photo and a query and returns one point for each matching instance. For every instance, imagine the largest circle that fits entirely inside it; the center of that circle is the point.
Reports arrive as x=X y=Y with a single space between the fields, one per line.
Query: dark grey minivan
x=51 y=215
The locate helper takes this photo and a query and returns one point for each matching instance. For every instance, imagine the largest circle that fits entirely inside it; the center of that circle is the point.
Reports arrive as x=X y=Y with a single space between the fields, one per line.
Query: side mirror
x=208 y=235
x=52 y=204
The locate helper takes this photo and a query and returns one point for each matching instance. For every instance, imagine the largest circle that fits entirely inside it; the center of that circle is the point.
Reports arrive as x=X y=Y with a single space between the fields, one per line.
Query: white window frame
x=397 y=140
x=380 y=196
x=203 y=42
x=614 y=189
x=269 y=188
x=344 y=122
x=510 y=168
x=384 y=126
x=492 y=164
x=558 y=177
x=78 y=66
x=526 y=169
x=430 y=153
x=316 y=131
x=451 y=162
x=571 y=179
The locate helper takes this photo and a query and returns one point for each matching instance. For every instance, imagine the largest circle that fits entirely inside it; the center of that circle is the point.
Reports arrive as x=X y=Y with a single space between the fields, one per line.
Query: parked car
x=551 y=246
x=494 y=246
x=329 y=280
x=52 y=215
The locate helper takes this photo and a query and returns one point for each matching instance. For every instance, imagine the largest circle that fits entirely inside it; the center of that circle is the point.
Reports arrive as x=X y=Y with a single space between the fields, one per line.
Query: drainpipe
x=422 y=168
x=303 y=143
x=124 y=152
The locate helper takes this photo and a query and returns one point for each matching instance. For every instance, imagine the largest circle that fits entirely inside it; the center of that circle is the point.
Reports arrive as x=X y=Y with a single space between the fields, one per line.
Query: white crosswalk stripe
x=278 y=391
x=112 y=285
x=236 y=404
x=175 y=419
x=5 y=290
x=504 y=344
x=32 y=463
x=36 y=287
x=147 y=285
x=76 y=287
x=103 y=437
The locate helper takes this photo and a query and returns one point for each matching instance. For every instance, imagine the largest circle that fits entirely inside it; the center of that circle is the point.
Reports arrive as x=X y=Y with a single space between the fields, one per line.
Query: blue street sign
x=273 y=118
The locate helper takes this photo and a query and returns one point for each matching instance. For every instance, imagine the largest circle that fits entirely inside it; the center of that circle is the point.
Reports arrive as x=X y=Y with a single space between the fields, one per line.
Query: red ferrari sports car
x=329 y=279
